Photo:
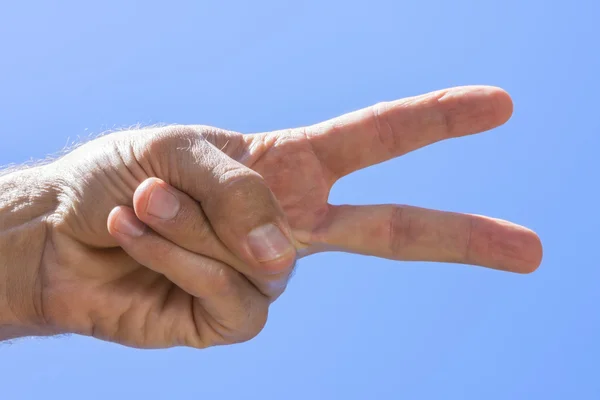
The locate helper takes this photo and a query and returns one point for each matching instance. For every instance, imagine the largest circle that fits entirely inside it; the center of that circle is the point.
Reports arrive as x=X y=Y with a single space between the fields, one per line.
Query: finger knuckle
x=168 y=138
x=242 y=328
x=240 y=180
x=242 y=190
x=163 y=148
x=223 y=283
x=253 y=323
x=386 y=135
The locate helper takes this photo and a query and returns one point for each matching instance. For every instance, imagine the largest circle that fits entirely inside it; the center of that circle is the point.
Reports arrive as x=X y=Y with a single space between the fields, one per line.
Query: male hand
x=301 y=165
x=185 y=273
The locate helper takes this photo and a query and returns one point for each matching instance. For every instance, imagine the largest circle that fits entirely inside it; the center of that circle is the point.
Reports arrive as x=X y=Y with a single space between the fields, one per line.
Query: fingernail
x=129 y=225
x=162 y=204
x=268 y=243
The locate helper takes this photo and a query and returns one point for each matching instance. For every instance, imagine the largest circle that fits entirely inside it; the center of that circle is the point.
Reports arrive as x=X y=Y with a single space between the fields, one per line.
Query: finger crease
x=468 y=244
x=388 y=139
x=394 y=237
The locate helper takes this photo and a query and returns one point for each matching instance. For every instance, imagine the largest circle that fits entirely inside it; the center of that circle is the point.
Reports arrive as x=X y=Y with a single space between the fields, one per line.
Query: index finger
x=388 y=130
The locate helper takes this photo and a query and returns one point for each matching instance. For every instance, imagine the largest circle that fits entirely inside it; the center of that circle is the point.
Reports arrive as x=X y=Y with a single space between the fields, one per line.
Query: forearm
x=26 y=202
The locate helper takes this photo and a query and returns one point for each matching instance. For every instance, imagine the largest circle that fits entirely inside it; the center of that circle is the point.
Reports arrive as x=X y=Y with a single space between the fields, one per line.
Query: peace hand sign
x=301 y=165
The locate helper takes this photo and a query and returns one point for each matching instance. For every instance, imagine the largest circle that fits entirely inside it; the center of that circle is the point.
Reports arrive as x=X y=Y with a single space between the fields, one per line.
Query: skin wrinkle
x=132 y=297
x=394 y=237
x=388 y=140
x=164 y=303
x=40 y=281
x=135 y=148
x=259 y=147
x=112 y=183
x=467 y=255
x=298 y=152
x=43 y=270
x=324 y=170
x=98 y=319
x=23 y=228
x=70 y=196
x=172 y=328
x=132 y=180
x=209 y=321
x=448 y=125
x=199 y=337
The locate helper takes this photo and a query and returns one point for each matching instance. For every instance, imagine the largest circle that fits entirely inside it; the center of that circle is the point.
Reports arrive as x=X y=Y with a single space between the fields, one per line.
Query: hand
x=161 y=294
x=301 y=165
x=192 y=280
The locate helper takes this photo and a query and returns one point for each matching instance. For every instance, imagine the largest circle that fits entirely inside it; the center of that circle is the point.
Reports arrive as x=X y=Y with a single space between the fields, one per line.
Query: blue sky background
x=349 y=327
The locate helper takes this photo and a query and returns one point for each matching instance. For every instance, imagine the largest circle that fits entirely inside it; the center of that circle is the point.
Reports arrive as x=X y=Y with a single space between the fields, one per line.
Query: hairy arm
x=27 y=201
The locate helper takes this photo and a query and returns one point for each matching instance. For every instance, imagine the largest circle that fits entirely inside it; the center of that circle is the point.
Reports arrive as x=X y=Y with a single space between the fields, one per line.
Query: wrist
x=28 y=198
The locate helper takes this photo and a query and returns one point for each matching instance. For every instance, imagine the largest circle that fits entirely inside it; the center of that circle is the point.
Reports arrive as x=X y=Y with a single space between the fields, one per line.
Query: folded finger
x=234 y=305
x=180 y=219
